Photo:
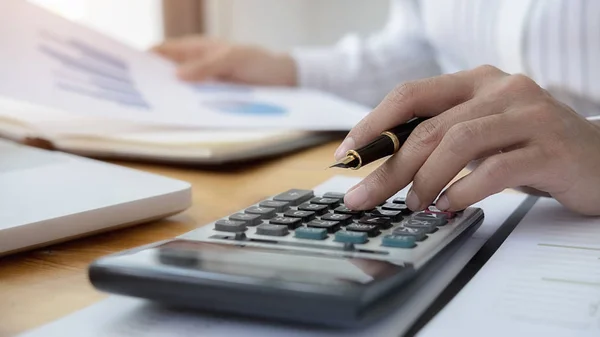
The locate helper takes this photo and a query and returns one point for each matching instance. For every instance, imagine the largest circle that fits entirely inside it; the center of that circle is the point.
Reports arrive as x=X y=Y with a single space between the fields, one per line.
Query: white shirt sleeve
x=365 y=70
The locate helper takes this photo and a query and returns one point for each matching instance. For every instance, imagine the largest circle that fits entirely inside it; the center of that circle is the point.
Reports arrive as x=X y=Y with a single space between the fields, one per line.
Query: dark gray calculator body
x=324 y=269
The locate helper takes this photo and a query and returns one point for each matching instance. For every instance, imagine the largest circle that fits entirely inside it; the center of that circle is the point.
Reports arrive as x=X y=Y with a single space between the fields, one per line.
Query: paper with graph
x=543 y=281
x=50 y=61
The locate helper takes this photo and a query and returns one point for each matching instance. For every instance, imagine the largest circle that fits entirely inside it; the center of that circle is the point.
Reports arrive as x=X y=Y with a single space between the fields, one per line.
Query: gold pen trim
x=357 y=156
x=394 y=139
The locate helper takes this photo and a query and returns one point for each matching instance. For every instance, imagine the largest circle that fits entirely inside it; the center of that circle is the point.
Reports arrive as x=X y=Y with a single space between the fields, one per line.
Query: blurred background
x=275 y=24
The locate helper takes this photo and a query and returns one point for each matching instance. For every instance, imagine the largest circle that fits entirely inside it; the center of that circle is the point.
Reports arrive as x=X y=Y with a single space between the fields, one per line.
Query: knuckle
x=377 y=179
x=488 y=70
x=421 y=183
x=427 y=133
x=497 y=169
x=460 y=135
x=381 y=179
x=401 y=94
x=523 y=84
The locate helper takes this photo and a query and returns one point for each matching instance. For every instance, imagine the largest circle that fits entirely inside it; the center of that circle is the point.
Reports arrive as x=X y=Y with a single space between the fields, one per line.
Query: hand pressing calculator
x=295 y=257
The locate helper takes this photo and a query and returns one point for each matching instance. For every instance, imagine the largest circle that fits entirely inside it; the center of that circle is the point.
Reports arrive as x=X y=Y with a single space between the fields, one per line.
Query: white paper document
x=543 y=281
x=50 y=61
x=124 y=317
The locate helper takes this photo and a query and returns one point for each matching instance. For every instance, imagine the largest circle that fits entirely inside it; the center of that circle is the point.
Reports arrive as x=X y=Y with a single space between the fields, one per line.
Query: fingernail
x=356 y=197
x=412 y=201
x=442 y=204
x=347 y=144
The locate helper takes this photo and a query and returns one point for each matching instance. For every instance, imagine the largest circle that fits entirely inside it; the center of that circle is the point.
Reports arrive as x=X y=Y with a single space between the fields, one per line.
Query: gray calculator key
x=345 y=210
x=291 y=223
x=396 y=207
x=418 y=233
x=439 y=218
x=343 y=219
x=295 y=197
x=381 y=222
x=304 y=215
x=272 y=230
x=370 y=230
x=428 y=226
x=330 y=226
x=330 y=202
x=230 y=226
x=280 y=206
x=394 y=216
x=319 y=209
x=264 y=212
x=334 y=195
x=249 y=219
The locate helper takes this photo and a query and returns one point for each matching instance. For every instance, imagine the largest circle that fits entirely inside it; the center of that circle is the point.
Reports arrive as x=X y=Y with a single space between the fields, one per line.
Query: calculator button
x=311 y=233
x=280 y=206
x=330 y=202
x=428 y=226
x=248 y=219
x=433 y=210
x=345 y=210
x=304 y=215
x=295 y=197
x=264 y=212
x=381 y=222
x=351 y=237
x=330 y=226
x=318 y=209
x=398 y=241
x=440 y=219
x=417 y=233
x=291 y=223
x=399 y=201
x=370 y=230
x=334 y=195
x=396 y=207
x=272 y=230
x=230 y=226
x=394 y=216
x=343 y=219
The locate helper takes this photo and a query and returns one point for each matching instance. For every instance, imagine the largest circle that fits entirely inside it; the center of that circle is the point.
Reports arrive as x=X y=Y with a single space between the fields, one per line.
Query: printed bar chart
x=88 y=71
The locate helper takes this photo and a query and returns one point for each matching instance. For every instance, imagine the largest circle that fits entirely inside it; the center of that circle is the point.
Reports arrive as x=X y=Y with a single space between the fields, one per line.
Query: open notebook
x=118 y=139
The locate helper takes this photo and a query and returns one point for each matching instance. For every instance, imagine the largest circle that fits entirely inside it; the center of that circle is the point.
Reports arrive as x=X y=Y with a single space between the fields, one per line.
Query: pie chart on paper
x=246 y=107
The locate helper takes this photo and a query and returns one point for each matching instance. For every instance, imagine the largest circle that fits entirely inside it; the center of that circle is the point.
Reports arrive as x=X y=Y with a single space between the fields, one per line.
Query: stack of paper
x=84 y=92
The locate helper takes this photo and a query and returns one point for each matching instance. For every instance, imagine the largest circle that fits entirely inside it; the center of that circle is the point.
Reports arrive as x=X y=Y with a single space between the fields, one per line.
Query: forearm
x=366 y=69
x=362 y=73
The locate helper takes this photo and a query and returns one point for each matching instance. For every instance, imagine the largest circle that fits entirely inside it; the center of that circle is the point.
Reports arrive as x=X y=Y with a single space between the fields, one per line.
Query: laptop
x=48 y=197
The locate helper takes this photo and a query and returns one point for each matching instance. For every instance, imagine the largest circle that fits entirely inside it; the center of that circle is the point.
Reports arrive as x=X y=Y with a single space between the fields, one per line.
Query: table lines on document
x=558 y=276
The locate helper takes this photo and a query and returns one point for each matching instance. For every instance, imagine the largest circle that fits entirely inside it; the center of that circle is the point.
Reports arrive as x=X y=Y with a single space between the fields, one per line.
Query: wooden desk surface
x=43 y=285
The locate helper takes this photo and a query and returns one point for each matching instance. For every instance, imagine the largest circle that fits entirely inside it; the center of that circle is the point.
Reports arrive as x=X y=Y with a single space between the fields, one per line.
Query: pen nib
x=344 y=163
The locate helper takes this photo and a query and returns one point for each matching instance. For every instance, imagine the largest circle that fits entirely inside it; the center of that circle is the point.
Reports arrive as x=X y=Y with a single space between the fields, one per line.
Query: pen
x=388 y=143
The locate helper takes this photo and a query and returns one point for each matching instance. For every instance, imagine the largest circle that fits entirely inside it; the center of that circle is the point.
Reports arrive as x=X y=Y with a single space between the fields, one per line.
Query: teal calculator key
x=398 y=241
x=351 y=237
x=311 y=233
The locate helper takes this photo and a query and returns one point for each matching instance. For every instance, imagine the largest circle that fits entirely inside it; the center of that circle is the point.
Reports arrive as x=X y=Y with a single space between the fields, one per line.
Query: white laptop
x=48 y=197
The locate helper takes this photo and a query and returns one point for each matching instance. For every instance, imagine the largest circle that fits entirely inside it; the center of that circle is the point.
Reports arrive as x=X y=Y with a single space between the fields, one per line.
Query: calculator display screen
x=271 y=264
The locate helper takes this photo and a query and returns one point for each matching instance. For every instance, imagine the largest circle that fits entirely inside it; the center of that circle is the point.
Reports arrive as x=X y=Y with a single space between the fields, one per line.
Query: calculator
x=296 y=257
